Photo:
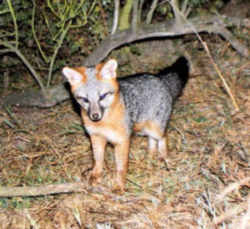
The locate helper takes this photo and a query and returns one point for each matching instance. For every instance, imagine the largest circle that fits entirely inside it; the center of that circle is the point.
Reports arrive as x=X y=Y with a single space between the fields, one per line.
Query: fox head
x=94 y=88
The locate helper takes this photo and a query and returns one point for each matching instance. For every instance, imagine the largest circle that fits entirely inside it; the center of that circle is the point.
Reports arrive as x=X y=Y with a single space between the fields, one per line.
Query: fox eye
x=104 y=95
x=84 y=99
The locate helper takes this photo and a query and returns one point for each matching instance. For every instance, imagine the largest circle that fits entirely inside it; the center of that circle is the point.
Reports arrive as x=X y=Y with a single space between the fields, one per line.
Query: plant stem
x=34 y=33
x=221 y=77
x=26 y=62
x=116 y=16
x=125 y=15
x=59 y=44
x=151 y=11
x=179 y=16
x=14 y=21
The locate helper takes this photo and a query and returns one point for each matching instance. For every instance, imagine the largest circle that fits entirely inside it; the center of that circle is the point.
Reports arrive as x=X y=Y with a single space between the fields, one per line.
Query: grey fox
x=112 y=108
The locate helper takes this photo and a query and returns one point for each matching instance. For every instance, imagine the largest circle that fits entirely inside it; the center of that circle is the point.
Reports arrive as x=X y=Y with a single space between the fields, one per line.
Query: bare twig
x=37 y=77
x=177 y=15
x=42 y=190
x=34 y=33
x=73 y=187
x=221 y=76
x=185 y=9
x=6 y=81
x=14 y=21
x=151 y=11
x=180 y=16
x=135 y=15
x=141 y=2
x=59 y=44
x=116 y=16
x=245 y=206
x=232 y=212
x=13 y=117
x=230 y=188
x=124 y=22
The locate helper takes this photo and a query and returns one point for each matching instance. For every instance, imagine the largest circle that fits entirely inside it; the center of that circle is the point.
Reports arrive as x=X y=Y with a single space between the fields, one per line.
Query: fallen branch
x=75 y=187
x=43 y=190
x=35 y=98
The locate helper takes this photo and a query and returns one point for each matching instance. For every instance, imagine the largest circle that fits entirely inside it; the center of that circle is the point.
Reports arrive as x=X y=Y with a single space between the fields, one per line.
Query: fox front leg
x=121 y=158
x=98 y=147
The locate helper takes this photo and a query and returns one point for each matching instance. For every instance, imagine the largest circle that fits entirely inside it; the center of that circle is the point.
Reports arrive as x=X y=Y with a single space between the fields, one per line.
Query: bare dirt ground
x=205 y=183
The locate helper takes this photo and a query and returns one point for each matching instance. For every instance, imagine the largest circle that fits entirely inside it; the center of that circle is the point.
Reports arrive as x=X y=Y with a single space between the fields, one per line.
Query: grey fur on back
x=150 y=97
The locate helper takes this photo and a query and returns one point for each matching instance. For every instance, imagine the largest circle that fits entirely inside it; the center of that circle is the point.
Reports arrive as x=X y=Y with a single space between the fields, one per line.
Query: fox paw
x=94 y=178
x=119 y=186
x=118 y=189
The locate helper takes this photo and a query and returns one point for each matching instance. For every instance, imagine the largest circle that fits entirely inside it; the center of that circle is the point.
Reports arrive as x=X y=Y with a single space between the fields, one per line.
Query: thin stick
x=34 y=33
x=177 y=14
x=135 y=16
x=14 y=21
x=221 y=77
x=232 y=187
x=42 y=190
x=59 y=44
x=140 y=11
x=151 y=11
x=116 y=16
x=27 y=63
x=229 y=214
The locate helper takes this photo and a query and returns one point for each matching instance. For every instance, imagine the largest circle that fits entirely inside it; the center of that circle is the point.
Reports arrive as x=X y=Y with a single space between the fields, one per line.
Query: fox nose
x=95 y=117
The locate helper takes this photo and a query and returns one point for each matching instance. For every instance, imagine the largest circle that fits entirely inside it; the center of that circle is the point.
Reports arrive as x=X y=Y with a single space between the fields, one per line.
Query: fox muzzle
x=95 y=117
x=95 y=113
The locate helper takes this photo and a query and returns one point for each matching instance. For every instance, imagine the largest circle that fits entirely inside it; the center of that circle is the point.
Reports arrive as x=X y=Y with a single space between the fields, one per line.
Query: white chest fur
x=111 y=135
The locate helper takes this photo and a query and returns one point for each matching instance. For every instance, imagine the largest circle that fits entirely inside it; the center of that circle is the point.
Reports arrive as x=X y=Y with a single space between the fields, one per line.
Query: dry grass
x=206 y=184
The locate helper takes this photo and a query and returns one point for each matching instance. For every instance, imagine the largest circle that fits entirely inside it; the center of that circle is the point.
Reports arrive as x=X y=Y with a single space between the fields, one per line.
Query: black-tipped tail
x=181 y=67
x=176 y=76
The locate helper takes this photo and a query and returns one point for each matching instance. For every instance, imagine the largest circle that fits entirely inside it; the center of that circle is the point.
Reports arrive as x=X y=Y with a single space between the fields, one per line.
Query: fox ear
x=73 y=76
x=108 y=70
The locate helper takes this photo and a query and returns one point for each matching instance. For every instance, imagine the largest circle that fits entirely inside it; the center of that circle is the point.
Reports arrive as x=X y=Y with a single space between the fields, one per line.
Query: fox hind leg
x=162 y=147
x=156 y=139
x=152 y=146
x=157 y=145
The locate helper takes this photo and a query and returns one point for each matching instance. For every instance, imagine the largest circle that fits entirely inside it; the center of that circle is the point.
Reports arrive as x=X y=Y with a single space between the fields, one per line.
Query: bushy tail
x=181 y=67
x=176 y=76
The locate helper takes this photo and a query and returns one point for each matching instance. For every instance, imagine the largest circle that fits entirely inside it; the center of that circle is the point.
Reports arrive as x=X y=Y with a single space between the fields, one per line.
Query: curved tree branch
x=211 y=24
